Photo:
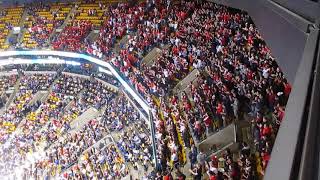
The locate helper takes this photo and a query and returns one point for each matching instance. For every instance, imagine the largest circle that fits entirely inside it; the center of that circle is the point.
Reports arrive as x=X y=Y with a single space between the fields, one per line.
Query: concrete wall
x=306 y=8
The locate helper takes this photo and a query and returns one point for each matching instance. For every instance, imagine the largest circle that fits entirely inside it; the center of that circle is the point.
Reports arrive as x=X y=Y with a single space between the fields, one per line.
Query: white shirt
x=265 y=73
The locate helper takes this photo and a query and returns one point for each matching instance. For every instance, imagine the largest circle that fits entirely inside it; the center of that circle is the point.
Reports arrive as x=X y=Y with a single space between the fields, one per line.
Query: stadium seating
x=92 y=12
x=78 y=146
x=7 y=82
x=8 y=20
x=20 y=105
x=72 y=36
x=234 y=78
x=50 y=123
x=41 y=22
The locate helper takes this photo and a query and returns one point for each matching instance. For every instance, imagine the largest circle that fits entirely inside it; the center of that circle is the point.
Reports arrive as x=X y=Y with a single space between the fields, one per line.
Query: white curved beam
x=99 y=62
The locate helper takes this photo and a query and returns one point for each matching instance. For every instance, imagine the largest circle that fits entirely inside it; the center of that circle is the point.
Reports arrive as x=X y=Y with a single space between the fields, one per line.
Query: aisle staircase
x=38 y=96
x=71 y=99
x=83 y=119
x=151 y=57
x=69 y=18
x=93 y=35
x=21 y=23
x=23 y=18
x=13 y=94
x=60 y=29
x=42 y=96
x=8 y=101
x=50 y=89
x=191 y=78
x=23 y=31
x=119 y=45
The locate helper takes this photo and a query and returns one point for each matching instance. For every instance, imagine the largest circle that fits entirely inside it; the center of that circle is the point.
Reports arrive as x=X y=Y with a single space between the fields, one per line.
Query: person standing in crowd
x=196 y=172
x=167 y=176
x=201 y=158
x=193 y=153
x=180 y=175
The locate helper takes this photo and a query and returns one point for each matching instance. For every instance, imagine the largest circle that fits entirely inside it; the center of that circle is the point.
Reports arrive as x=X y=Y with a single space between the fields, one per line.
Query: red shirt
x=249 y=75
x=266 y=158
x=219 y=108
x=271 y=98
x=281 y=115
x=174 y=100
x=266 y=131
x=187 y=106
x=287 y=89
x=207 y=121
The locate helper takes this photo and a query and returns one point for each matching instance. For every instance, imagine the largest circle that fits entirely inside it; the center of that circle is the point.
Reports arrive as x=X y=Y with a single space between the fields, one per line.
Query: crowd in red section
x=71 y=37
x=237 y=78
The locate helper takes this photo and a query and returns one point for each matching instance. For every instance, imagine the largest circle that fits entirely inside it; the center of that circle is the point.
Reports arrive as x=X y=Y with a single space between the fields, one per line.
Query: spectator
x=196 y=172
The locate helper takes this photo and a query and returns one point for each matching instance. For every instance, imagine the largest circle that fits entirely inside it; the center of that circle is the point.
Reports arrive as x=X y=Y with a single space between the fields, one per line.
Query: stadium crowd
x=80 y=155
x=121 y=19
x=72 y=36
x=65 y=151
x=134 y=138
x=43 y=123
x=42 y=19
x=55 y=148
x=28 y=86
x=237 y=79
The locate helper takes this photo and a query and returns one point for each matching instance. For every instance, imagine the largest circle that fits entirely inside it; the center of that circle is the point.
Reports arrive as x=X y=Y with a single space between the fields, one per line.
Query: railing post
x=153 y=138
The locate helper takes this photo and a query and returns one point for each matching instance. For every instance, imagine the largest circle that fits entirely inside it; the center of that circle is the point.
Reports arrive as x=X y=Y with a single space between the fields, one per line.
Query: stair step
x=38 y=96
x=118 y=46
x=150 y=58
x=93 y=35
x=184 y=83
x=83 y=119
